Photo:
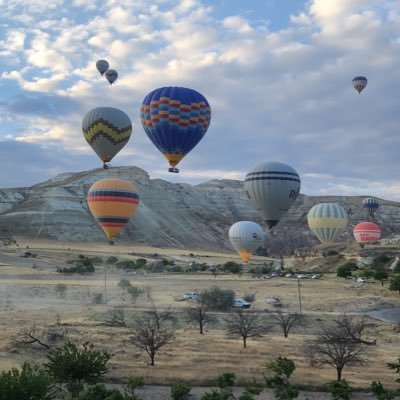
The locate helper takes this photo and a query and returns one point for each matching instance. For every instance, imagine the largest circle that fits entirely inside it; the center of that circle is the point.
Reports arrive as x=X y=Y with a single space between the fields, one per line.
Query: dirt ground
x=28 y=297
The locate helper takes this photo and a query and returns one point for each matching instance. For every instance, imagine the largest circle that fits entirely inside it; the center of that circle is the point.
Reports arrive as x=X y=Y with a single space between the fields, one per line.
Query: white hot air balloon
x=272 y=188
x=246 y=237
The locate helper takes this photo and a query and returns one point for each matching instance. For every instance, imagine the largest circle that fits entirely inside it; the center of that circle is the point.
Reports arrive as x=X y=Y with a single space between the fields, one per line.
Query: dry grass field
x=28 y=296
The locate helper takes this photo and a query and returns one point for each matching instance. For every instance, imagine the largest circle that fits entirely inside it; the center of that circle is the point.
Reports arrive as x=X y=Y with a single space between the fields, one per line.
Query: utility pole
x=298 y=288
x=105 y=283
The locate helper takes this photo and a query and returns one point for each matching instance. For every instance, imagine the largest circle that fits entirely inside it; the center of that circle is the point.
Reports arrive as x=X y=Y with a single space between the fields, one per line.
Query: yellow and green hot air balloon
x=112 y=202
x=327 y=221
x=107 y=130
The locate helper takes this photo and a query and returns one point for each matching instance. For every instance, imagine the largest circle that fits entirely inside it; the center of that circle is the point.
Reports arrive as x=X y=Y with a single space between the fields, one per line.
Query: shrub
x=180 y=391
x=124 y=284
x=339 y=389
x=217 y=298
x=249 y=298
x=141 y=262
x=26 y=384
x=232 y=267
x=126 y=265
x=346 y=270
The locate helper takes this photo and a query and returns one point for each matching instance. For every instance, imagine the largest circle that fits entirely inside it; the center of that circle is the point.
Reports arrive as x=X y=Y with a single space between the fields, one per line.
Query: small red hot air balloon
x=367 y=232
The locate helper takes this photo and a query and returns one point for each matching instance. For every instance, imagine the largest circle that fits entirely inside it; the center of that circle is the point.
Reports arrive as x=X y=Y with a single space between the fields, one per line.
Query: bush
x=126 y=265
x=249 y=298
x=124 y=284
x=339 y=389
x=26 y=384
x=232 y=267
x=60 y=289
x=141 y=262
x=180 y=391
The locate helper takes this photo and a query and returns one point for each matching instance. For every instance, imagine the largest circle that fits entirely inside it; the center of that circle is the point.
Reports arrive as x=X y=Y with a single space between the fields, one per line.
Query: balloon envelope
x=175 y=119
x=102 y=66
x=367 y=232
x=246 y=237
x=359 y=83
x=327 y=221
x=111 y=75
x=112 y=202
x=107 y=130
x=371 y=205
x=272 y=188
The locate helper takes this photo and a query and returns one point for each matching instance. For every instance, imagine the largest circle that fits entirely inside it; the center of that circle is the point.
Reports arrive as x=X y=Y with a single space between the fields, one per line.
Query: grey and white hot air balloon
x=272 y=188
x=111 y=75
x=102 y=66
x=246 y=237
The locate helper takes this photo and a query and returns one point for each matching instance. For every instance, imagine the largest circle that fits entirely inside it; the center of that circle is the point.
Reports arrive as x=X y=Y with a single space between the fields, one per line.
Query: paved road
x=388 y=315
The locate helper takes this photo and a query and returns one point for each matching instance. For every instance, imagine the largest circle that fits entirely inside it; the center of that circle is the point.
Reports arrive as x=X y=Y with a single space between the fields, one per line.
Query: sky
x=277 y=74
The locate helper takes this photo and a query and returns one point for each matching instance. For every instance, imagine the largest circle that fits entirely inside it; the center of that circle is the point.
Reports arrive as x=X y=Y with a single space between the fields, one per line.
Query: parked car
x=362 y=280
x=288 y=275
x=191 y=296
x=240 y=303
x=316 y=276
x=302 y=276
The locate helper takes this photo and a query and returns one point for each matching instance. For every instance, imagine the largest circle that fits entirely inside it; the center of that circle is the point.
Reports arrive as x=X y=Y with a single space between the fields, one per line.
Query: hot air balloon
x=102 y=66
x=112 y=202
x=107 y=130
x=359 y=83
x=371 y=205
x=111 y=75
x=246 y=237
x=367 y=232
x=175 y=119
x=327 y=221
x=272 y=188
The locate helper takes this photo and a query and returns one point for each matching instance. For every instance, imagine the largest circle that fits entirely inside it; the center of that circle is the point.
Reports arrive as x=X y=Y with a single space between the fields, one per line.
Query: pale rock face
x=169 y=215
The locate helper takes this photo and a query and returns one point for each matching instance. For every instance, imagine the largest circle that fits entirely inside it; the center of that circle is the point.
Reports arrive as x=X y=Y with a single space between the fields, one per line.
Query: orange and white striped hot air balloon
x=113 y=202
x=367 y=232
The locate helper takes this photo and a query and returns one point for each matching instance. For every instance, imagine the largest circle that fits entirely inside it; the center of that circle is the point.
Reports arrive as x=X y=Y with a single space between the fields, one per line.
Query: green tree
x=380 y=274
x=135 y=292
x=217 y=298
x=75 y=368
x=26 y=384
x=232 y=267
x=124 y=284
x=100 y=392
x=112 y=260
x=141 y=262
x=279 y=382
x=346 y=270
x=394 y=283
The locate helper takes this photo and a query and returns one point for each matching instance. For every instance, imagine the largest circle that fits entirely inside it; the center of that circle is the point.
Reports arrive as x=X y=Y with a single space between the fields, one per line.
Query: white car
x=239 y=303
x=302 y=276
x=316 y=276
x=191 y=296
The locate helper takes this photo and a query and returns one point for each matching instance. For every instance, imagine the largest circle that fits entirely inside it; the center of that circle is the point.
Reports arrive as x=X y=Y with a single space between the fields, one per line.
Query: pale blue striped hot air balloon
x=327 y=221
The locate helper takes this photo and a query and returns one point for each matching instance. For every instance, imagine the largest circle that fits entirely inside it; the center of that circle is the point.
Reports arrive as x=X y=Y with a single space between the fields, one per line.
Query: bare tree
x=150 y=335
x=161 y=317
x=354 y=327
x=30 y=335
x=286 y=320
x=334 y=347
x=199 y=314
x=245 y=324
x=116 y=317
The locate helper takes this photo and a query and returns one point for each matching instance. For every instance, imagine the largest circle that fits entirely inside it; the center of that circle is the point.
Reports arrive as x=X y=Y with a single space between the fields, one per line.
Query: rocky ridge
x=170 y=214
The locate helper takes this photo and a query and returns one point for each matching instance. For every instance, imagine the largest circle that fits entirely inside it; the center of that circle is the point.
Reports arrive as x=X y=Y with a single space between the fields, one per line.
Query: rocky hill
x=169 y=215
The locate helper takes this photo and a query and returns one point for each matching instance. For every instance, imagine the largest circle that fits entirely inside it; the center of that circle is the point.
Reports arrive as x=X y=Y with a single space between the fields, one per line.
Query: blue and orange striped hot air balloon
x=175 y=119
x=112 y=202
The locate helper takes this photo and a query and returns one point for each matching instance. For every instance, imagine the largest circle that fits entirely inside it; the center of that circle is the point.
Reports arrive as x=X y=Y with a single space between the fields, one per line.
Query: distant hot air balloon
x=367 y=232
x=112 y=202
x=272 y=188
x=111 y=75
x=371 y=205
x=327 y=221
x=107 y=130
x=359 y=83
x=246 y=237
x=175 y=119
x=102 y=66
